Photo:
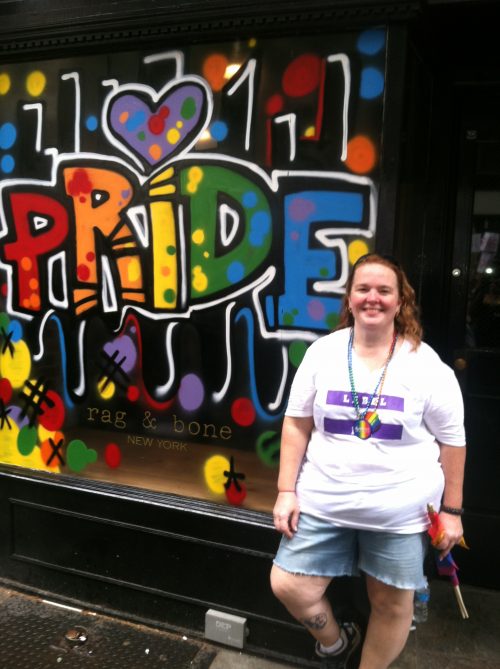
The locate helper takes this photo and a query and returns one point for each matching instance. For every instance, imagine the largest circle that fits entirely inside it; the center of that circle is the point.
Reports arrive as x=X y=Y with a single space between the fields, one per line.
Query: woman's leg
x=388 y=625
x=305 y=599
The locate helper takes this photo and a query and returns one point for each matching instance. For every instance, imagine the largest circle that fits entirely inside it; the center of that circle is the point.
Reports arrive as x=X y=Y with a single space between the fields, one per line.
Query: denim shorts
x=319 y=548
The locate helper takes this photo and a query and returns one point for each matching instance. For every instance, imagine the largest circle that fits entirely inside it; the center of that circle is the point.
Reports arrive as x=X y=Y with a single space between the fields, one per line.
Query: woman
x=373 y=432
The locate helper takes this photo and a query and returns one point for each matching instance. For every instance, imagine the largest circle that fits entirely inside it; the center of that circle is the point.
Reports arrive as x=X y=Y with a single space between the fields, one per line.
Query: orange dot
x=123 y=117
x=361 y=155
x=35 y=301
x=214 y=69
x=155 y=151
x=165 y=271
x=26 y=263
x=33 y=284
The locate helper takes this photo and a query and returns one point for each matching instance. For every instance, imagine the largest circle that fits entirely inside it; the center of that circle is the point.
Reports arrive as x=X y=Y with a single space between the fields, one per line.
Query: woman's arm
x=295 y=437
x=452 y=460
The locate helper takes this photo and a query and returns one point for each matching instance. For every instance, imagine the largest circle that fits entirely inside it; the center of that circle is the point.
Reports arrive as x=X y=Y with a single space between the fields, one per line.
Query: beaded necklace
x=368 y=421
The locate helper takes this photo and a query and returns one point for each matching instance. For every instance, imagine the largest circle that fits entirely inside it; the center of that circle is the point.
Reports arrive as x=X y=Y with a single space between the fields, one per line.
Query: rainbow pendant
x=362 y=429
x=373 y=419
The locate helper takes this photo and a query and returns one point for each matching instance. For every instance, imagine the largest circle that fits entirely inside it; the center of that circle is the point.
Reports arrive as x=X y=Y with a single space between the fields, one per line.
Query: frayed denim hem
x=340 y=574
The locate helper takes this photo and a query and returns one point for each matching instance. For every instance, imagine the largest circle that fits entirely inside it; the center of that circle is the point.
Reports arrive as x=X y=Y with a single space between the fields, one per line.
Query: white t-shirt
x=384 y=482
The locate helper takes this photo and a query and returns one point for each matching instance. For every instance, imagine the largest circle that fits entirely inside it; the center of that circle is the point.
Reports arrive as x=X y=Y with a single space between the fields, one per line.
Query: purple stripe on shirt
x=385 y=431
x=342 y=398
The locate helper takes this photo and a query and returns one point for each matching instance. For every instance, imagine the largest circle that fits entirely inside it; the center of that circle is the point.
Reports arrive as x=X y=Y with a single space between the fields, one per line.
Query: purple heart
x=155 y=130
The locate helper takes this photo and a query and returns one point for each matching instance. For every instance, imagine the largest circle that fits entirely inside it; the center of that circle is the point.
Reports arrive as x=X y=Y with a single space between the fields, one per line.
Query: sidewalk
x=37 y=634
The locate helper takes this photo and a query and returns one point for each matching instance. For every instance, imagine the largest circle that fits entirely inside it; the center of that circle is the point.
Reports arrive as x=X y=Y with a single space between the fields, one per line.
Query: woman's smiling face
x=374 y=299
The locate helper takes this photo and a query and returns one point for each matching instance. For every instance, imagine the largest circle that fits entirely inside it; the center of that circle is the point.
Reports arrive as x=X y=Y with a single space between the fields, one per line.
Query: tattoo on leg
x=316 y=622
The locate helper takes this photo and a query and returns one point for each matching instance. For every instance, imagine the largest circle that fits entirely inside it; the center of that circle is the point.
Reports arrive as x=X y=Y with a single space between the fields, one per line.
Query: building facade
x=184 y=188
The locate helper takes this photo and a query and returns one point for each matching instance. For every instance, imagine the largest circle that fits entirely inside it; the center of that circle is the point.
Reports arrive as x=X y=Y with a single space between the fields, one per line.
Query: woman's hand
x=286 y=513
x=453 y=531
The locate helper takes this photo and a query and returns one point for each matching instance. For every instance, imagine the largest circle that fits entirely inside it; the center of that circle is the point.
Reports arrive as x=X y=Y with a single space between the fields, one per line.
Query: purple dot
x=123 y=349
x=191 y=392
x=15 y=415
x=316 y=310
x=301 y=209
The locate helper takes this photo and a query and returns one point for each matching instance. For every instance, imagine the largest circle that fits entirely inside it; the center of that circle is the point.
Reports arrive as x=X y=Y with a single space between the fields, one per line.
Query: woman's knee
x=297 y=589
x=391 y=602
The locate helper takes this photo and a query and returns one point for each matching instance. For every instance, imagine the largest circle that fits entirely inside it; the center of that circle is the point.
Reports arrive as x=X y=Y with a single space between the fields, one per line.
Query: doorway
x=474 y=327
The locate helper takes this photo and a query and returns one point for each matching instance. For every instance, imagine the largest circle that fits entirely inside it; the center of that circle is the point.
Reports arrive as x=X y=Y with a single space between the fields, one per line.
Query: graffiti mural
x=176 y=228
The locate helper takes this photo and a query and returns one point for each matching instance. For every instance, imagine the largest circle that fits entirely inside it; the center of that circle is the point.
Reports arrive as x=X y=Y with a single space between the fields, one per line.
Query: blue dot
x=235 y=272
x=372 y=83
x=260 y=224
x=371 y=42
x=8 y=136
x=91 y=123
x=249 y=199
x=135 y=121
x=7 y=164
x=16 y=330
x=219 y=130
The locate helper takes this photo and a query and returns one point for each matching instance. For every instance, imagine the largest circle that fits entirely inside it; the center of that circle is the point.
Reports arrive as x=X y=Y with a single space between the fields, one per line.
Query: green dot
x=4 y=321
x=296 y=352
x=188 y=109
x=141 y=136
x=295 y=312
x=332 y=320
x=288 y=319
x=171 y=250
x=79 y=456
x=268 y=448
x=324 y=271
x=169 y=295
x=26 y=440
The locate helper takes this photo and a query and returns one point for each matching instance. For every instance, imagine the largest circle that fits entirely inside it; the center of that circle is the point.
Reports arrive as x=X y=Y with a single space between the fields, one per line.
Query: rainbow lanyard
x=368 y=421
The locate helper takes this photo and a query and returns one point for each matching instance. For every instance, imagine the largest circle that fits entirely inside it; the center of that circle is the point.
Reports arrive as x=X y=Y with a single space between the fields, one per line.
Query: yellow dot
x=179 y=124
x=200 y=280
x=4 y=83
x=44 y=434
x=206 y=254
x=198 y=236
x=357 y=249
x=35 y=83
x=192 y=187
x=106 y=391
x=214 y=473
x=173 y=136
x=195 y=174
x=16 y=366
x=310 y=131
x=252 y=42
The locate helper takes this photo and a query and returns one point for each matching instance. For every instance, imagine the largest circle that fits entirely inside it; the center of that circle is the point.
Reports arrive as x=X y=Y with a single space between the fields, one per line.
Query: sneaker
x=340 y=660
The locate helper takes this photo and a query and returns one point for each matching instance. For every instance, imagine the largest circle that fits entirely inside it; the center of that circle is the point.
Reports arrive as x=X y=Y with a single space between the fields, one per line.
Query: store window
x=176 y=228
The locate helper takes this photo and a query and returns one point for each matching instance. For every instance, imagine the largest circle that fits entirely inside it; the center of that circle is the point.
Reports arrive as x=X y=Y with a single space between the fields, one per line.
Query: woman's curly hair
x=407 y=320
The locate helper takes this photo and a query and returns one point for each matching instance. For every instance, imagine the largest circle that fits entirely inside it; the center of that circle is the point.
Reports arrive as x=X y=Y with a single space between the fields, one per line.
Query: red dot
x=243 y=412
x=112 y=455
x=156 y=124
x=53 y=409
x=235 y=496
x=4 y=289
x=274 y=104
x=164 y=111
x=133 y=393
x=302 y=76
x=83 y=272
x=90 y=256
x=5 y=391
